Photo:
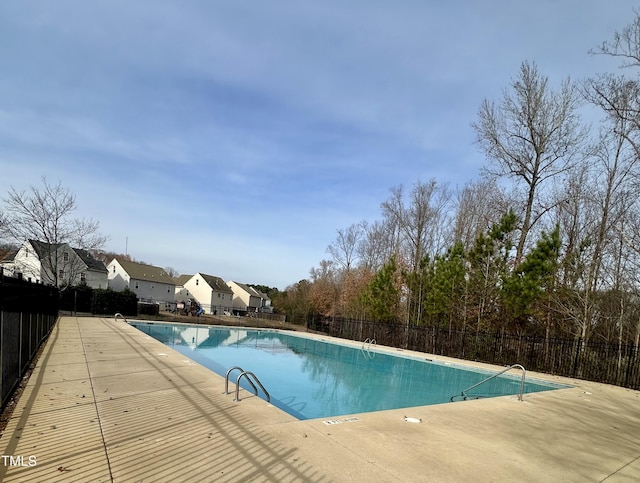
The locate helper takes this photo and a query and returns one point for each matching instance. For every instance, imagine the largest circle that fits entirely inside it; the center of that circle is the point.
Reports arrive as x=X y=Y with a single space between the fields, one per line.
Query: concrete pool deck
x=109 y=403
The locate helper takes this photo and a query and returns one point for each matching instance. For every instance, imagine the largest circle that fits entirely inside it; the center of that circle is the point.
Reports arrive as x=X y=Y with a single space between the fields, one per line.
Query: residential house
x=211 y=293
x=182 y=294
x=247 y=299
x=151 y=284
x=6 y=261
x=94 y=272
x=6 y=255
x=55 y=264
x=180 y=291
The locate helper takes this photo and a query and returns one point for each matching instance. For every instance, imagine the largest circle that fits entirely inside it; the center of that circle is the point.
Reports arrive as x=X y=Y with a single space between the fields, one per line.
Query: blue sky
x=235 y=137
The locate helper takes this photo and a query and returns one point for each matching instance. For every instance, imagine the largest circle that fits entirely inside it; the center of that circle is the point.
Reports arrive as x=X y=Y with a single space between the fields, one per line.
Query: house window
x=218 y=294
x=83 y=277
x=136 y=284
x=197 y=281
x=114 y=269
x=65 y=256
x=61 y=273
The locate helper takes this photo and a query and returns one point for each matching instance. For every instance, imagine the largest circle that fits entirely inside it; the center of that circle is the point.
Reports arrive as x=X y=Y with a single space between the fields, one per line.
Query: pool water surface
x=310 y=378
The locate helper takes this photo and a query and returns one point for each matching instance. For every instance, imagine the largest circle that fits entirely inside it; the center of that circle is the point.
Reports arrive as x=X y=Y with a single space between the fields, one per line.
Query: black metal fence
x=28 y=311
x=594 y=361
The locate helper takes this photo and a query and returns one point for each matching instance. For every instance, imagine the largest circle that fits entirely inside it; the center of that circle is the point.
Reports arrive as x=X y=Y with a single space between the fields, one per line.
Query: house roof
x=216 y=283
x=7 y=255
x=142 y=271
x=91 y=262
x=44 y=249
x=251 y=291
x=182 y=279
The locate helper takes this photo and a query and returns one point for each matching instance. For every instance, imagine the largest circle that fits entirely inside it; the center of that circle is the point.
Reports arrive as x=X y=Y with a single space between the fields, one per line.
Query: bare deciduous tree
x=3 y=229
x=619 y=99
x=532 y=136
x=344 y=248
x=618 y=95
x=376 y=245
x=324 y=292
x=45 y=215
x=420 y=223
x=611 y=198
x=172 y=272
x=478 y=206
x=625 y=44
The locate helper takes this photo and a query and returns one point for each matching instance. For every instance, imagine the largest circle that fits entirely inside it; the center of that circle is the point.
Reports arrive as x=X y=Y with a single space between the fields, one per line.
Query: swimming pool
x=310 y=378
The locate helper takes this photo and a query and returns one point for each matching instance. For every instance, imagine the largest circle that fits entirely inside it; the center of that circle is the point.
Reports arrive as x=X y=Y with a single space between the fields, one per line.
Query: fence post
x=576 y=361
x=20 y=336
x=435 y=340
x=631 y=355
x=2 y=349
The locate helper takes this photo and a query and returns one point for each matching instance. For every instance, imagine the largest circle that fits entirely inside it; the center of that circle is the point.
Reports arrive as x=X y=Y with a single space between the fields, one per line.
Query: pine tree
x=525 y=287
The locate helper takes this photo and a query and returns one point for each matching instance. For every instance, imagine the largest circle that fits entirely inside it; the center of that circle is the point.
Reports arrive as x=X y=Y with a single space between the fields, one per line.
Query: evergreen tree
x=446 y=297
x=525 y=287
x=488 y=264
x=382 y=296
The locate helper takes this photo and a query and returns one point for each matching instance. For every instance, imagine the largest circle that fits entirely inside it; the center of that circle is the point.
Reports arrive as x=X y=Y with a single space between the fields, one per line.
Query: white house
x=181 y=292
x=94 y=272
x=150 y=284
x=211 y=293
x=247 y=299
x=55 y=264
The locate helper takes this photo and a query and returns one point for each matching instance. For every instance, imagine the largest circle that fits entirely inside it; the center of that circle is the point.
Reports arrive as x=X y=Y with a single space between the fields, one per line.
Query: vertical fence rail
x=572 y=357
x=28 y=312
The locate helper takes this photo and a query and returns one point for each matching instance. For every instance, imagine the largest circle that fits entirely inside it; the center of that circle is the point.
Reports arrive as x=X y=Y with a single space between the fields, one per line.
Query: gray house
x=55 y=264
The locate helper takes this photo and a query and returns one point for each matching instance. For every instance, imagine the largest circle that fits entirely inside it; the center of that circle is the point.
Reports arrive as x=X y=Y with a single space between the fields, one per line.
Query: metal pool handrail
x=246 y=375
x=226 y=379
x=513 y=366
x=120 y=315
x=367 y=350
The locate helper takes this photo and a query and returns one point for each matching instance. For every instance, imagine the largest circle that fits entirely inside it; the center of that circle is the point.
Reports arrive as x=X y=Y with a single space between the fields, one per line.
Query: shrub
x=109 y=302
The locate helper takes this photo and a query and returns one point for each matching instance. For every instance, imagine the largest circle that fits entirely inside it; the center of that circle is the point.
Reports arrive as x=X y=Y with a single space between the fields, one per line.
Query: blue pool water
x=310 y=378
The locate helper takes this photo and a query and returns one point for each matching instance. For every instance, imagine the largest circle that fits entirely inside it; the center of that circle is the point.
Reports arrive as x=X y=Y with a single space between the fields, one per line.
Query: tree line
x=545 y=242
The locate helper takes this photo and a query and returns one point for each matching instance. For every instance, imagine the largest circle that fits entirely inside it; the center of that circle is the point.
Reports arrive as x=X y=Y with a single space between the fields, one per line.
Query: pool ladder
x=248 y=376
x=464 y=395
x=120 y=315
x=366 y=348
